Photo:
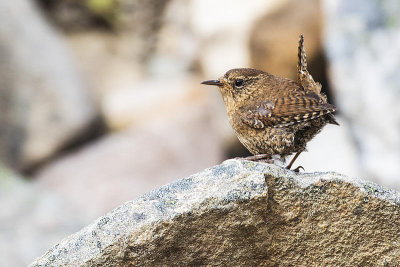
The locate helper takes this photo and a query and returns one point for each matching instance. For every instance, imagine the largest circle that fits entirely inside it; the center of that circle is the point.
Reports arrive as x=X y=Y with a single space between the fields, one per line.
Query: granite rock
x=244 y=213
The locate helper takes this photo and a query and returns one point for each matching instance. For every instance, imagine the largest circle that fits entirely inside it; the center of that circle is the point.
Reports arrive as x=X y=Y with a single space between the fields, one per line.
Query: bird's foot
x=260 y=157
x=292 y=161
x=296 y=170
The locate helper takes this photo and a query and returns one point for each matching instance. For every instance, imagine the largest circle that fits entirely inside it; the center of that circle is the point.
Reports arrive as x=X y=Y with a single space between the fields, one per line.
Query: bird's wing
x=287 y=111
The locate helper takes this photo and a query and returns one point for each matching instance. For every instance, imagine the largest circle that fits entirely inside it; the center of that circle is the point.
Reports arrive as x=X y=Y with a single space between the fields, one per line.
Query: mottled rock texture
x=243 y=213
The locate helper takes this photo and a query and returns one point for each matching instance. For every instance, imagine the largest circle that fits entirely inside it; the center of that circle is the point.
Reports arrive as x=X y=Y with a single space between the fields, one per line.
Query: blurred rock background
x=100 y=100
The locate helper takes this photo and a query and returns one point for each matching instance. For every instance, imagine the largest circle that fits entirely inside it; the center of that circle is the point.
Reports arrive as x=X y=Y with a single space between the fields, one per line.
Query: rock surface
x=244 y=213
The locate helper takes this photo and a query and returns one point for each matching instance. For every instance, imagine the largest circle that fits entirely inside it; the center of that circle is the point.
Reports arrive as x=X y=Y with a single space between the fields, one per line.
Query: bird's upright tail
x=303 y=77
x=302 y=59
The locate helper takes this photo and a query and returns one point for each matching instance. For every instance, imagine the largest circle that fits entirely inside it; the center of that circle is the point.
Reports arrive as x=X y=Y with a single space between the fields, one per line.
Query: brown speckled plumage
x=274 y=115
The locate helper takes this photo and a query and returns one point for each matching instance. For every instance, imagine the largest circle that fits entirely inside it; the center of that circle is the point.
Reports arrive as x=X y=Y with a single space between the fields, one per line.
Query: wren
x=272 y=115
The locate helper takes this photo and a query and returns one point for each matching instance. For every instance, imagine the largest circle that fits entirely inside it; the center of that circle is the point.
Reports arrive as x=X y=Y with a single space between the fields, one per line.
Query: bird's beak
x=212 y=82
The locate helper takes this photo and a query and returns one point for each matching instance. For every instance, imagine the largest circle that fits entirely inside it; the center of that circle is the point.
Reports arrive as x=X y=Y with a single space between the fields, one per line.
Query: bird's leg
x=263 y=157
x=293 y=160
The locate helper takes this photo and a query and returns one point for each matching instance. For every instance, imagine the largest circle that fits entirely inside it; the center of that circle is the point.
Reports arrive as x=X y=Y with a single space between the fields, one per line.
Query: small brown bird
x=272 y=115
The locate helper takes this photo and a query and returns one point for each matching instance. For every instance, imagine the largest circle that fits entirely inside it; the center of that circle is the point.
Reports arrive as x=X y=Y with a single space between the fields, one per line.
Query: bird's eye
x=238 y=82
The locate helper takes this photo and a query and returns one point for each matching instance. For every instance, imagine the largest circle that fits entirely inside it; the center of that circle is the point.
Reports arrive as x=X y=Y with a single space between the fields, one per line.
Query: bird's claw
x=297 y=170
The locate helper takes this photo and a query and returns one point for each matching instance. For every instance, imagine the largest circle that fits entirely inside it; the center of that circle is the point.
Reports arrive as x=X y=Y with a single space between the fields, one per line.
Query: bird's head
x=238 y=84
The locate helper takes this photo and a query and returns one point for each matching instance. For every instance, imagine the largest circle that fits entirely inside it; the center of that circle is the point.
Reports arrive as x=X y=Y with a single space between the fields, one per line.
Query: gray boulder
x=244 y=213
x=44 y=104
